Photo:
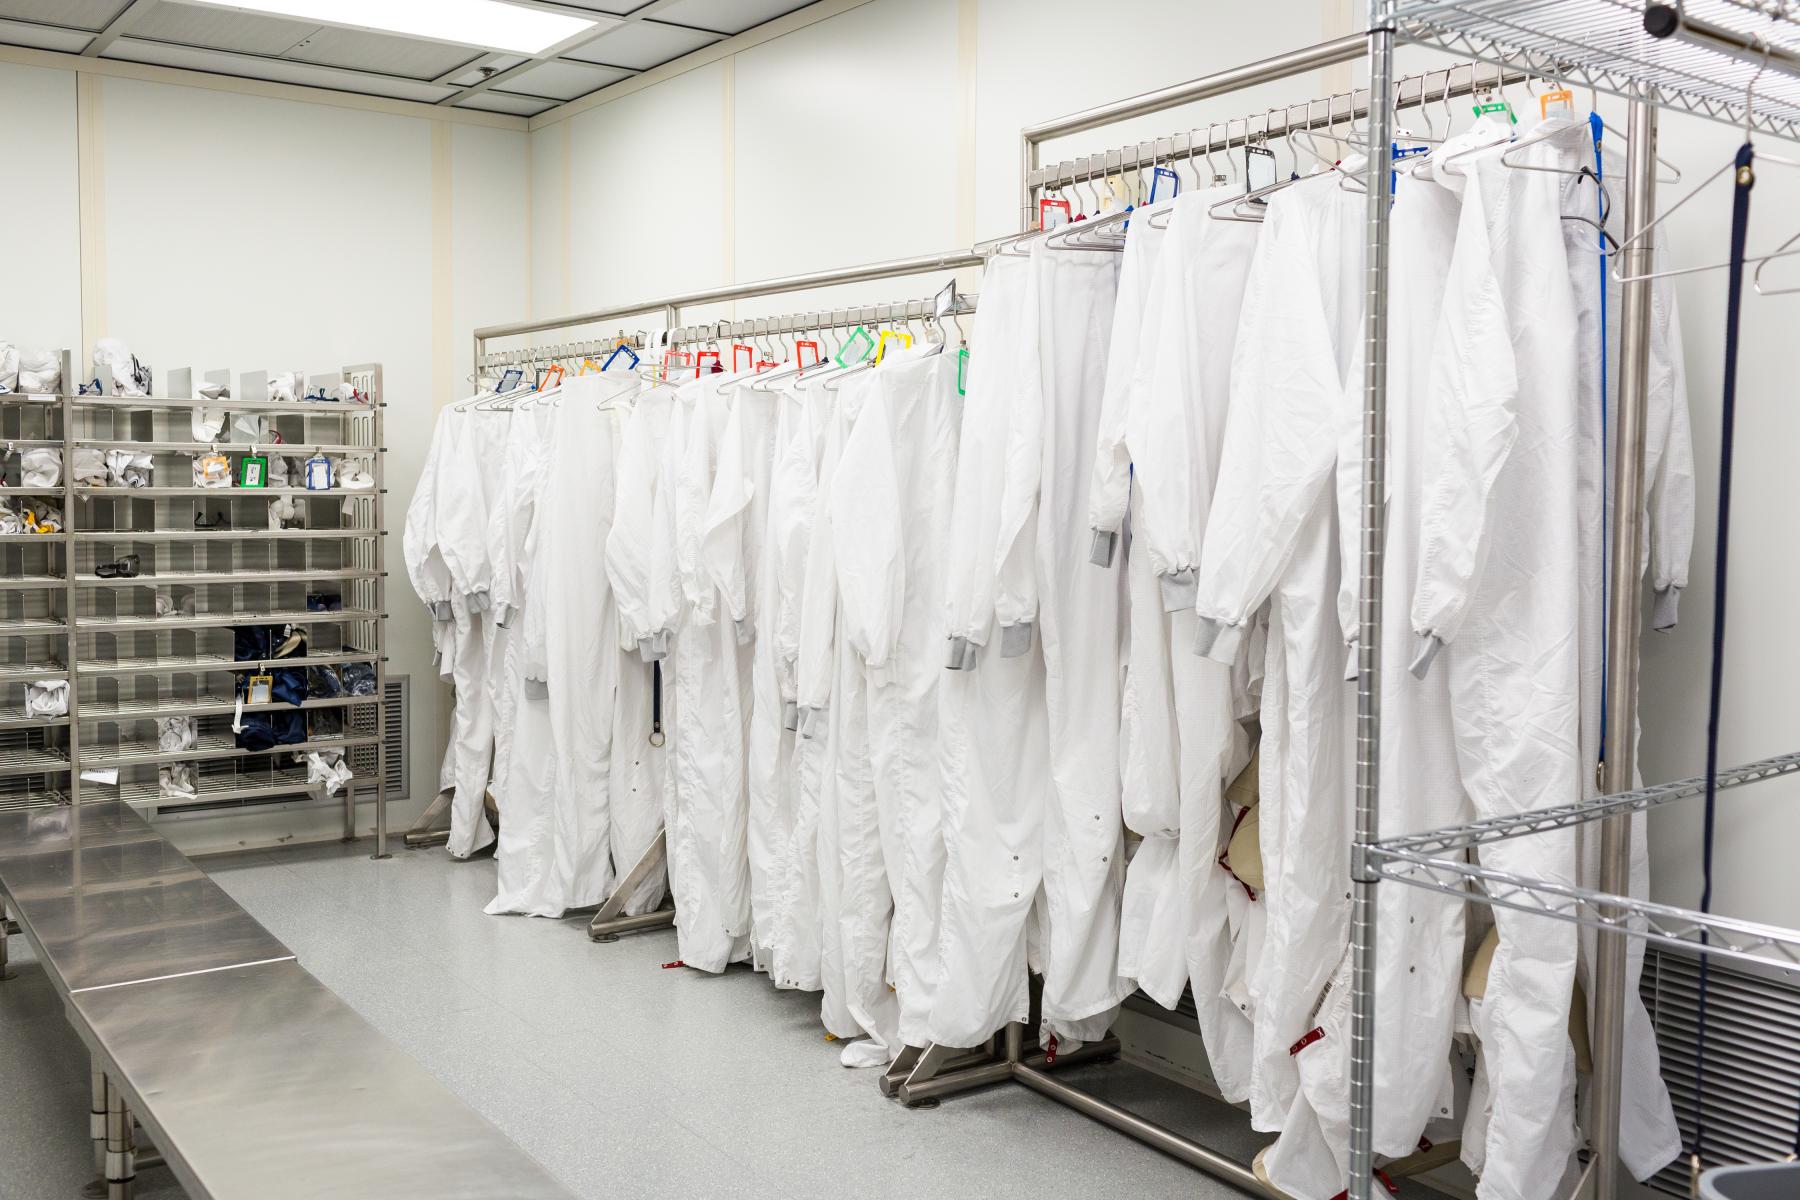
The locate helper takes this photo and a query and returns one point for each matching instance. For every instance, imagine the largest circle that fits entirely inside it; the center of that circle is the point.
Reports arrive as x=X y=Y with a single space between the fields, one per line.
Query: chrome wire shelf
x=150 y=622
x=1663 y=924
x=1562 y=816
x=1602 y=44
x=206 y=746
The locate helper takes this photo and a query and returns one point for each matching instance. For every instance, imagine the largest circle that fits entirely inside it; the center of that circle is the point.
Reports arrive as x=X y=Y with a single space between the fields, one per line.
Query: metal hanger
x=1786 y=249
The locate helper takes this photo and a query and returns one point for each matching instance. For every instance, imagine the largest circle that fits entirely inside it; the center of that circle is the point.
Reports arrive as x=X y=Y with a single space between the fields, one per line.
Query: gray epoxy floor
x=622 y=1078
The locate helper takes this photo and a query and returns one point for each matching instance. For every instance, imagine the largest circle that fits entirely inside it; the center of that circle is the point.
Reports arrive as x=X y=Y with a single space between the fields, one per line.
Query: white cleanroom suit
x=460 y=500
x=1497 y=601
x=892 y=491
x=993 y=732
x=1271 y=534
x=640 y=769
x=708 y=864
x=856 y=903
x=1045 y=583
x=1178 y=415
x=554 y=850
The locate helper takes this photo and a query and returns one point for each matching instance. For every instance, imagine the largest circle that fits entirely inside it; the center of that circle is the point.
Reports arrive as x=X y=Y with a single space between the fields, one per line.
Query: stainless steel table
x=107 y=901
x=255 y=1080
x=260 y=1082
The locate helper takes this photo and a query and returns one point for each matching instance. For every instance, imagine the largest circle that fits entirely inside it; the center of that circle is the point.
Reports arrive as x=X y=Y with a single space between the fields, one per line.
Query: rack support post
x=1368 y=648
x=608 y=923
x=1623 y=629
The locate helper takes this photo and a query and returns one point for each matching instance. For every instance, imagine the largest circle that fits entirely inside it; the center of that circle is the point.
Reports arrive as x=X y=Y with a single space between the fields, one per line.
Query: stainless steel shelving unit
x=1734 y=61
x=130 y=665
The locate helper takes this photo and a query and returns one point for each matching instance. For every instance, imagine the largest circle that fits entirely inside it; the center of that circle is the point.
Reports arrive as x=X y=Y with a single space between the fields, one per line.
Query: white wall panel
x=40 y=304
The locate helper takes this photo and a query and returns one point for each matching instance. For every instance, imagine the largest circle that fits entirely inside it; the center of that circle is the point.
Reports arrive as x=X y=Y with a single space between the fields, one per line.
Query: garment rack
x=1710 y=69
x=431 y=828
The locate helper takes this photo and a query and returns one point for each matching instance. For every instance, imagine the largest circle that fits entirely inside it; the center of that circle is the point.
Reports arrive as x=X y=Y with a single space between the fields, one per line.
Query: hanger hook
x=1750 y=88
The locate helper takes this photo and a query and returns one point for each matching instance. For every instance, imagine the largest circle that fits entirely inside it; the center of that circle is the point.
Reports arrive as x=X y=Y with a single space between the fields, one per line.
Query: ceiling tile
x=276 y=70
x=518 y=106
x=70 y=14
x=563 y=80
x=727 y=16
x=44 y=37
x=219 y=28
x=358 y=50
x=643 y=44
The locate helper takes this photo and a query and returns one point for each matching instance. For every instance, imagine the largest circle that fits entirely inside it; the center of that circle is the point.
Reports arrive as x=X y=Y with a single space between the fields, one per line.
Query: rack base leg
x=97 y=1115
x=426 y=831
x=6 y=931
x=608 y=924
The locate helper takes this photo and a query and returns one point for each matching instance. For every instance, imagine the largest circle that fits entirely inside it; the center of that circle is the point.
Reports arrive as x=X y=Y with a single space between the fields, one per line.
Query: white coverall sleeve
x=1164 y=399
x=424 y=562
x=980 y=464
x=1109 y=489
x=1670 y=469
x=871 y=566
x=1280 y=437
x=795 y=532
x=722 y=544
x=460 y=508
x=1474 y=379
x=1015 y=546
x=628 y=543
x=819 y=602
x=533 y=632
x=693 y=492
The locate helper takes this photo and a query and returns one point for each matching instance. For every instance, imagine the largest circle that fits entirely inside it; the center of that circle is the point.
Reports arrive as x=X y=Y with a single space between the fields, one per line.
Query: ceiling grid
x=625 y=39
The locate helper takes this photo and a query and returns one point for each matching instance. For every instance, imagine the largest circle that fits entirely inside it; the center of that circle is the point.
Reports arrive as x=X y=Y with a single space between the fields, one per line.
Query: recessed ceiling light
x=489 y=24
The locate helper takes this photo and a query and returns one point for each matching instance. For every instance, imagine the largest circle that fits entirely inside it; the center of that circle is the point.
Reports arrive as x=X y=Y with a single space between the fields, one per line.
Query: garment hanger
x=1785 y=250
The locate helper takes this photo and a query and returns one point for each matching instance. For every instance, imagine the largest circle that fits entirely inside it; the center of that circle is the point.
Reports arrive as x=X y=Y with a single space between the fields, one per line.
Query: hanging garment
x=735 y=550
x=708 y=863
x=425 y=565
x=1179 y=406
x=641 y=763
x=1153 y=911
x=855 y=894
x=804 y=417
x=992 y=727
x=554 y=850
x=1420 y=933
x=892 y=491
x=521 y=442
x=1497 y=599
x=459 y=524
x=1272 y=535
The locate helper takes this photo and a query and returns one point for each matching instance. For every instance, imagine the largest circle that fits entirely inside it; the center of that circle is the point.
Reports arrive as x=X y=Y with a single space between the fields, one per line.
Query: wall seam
x=728 y=174
x=443 y=265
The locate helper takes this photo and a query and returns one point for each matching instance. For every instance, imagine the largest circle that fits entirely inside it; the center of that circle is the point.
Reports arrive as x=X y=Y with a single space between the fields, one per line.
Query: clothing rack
x=1714 y=69
x=431 y=828
x=900 y=312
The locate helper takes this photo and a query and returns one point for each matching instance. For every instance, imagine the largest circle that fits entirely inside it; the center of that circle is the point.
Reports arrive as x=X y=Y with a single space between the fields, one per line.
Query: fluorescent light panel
x=489 y=24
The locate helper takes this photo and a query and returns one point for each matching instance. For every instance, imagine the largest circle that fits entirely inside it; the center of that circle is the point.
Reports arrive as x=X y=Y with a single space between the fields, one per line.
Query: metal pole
x=1623 y=628
x=4 y=927
x=97 y=1114
x=1151 y=1134
x=671 y=305
x=1368 y=649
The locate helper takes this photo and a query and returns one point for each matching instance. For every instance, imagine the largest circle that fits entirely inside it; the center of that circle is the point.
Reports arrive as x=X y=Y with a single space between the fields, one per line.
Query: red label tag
x=668 y=966
x=1053 y=214
x=1050 y=1051
x=700 y=361
x=805 y=345
x=749 y=353
x=1312 y=1035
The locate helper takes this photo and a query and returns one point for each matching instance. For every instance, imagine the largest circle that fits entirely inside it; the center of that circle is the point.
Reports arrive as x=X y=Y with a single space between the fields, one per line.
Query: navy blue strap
x=1744 y=179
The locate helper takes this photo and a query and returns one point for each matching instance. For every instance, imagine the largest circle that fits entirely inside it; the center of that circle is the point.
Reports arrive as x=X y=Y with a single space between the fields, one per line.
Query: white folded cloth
x=9 y=367
x=39 y=371
x=327 y=769
x=115 y=368
x=175 y=781
x=176 y=733
x=47 y=698
x=90 y=466
x=40 y=467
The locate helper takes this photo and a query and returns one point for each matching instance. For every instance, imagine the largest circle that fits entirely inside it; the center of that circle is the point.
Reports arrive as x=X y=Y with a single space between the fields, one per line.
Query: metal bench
x=253 y=1079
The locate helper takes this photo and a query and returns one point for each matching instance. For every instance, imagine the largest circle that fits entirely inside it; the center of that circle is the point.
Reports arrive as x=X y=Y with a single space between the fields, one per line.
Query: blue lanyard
x=1596 y=126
